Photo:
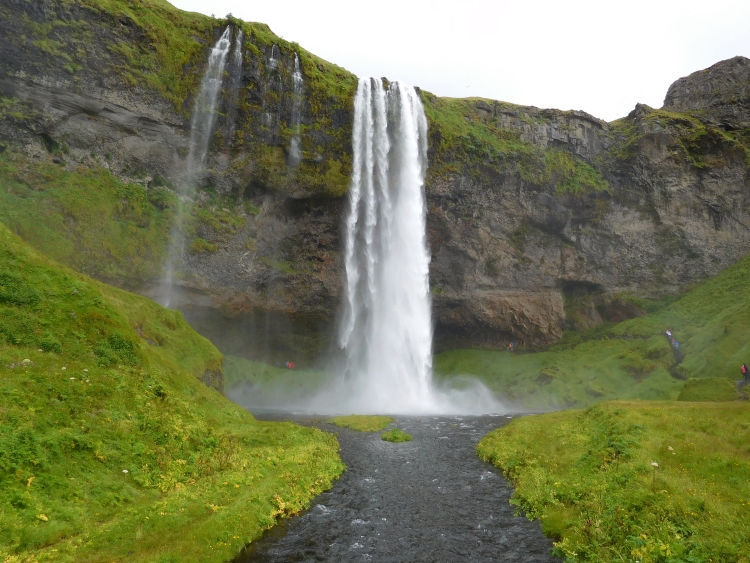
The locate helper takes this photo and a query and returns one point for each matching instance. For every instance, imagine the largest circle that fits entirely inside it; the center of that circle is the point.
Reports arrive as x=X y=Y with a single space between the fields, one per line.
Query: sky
x=601 y=56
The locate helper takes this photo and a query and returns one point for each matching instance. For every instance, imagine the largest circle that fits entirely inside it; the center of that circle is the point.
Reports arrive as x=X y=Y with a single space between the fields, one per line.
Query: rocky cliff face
x=721 y=93
x=538 y=219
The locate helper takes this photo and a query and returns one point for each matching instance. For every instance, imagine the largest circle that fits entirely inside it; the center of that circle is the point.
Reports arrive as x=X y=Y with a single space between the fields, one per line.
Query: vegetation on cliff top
x=111 y=448
x=649 y=482
x=700 y=144
x=629 y=360
x=465 y=139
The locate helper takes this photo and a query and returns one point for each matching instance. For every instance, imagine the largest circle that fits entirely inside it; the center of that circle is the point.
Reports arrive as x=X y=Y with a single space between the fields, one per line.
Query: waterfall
x=298 y=83
x=235 y=83
x=386 y=328
x=273 y=61
x=204 y=110
x=201 y=128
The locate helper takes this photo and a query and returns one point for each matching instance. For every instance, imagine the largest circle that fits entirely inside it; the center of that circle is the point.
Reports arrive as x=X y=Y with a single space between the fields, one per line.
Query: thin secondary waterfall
x=201 y=128
x=271 y=83
x=298 y=83
x=235 y=83
x=386 y=328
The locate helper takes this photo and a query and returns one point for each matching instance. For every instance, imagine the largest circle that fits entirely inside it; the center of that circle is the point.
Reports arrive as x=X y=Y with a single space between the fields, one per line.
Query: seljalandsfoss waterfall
x=385 y=332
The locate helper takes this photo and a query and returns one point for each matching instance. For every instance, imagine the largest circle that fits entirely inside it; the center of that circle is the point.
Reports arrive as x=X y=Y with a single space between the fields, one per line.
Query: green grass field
x=110 y=446
x=588 y=476
x=630 y=360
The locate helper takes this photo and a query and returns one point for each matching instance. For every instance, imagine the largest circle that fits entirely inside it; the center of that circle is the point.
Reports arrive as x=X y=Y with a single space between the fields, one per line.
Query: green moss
x=588 y=476
x=221 y=221
x=702 y=145
x=362 y=422
x=199 y=246
x=15 y=109
x=711 y=389
x=174 y=41
x=468 y=140
x=279 y=265
x=131 y=458
x=336 y=179
x=396 y=435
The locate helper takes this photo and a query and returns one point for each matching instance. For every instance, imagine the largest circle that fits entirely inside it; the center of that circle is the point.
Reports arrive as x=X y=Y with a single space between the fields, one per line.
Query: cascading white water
x=201 y=127
x=298 y=83
x=235 y=83
x=386 y=328
x=204 y=110
x=273 y=60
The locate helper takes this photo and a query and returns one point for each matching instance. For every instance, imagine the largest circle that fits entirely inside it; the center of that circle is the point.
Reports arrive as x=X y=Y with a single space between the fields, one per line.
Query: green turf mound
x=712 y=389
x=111 y=448
x=363 y=422
x=396 y=435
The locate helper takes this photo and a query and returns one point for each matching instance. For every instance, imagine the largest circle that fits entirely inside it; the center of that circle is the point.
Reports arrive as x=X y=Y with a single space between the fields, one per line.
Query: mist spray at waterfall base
x=385 y=332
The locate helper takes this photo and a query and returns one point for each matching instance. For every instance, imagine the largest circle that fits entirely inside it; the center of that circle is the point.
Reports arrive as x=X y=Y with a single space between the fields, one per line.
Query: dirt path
x=431 y=499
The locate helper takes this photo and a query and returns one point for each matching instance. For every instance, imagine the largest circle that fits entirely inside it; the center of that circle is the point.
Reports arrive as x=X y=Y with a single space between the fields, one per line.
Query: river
x=431 y=499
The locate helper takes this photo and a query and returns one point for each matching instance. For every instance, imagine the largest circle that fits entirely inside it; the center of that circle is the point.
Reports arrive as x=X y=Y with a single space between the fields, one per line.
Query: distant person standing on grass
x=745 y=372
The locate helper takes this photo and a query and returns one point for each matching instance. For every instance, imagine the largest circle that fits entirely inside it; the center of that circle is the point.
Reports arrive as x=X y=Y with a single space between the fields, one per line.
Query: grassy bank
x=629 y=360
x=110 y=446
x=588 y=476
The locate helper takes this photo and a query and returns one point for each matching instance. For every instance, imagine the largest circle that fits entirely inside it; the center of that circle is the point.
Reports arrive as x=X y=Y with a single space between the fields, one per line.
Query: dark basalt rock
x=722 y=92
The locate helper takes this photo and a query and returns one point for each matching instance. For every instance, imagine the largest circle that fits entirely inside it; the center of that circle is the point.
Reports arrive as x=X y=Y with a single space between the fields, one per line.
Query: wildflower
x=72 y=378
x=124 y=470
x=654 y=464
x=64 y=368
x=85 y=369
x=670 y=448
x=26 y=362
x=43 y=517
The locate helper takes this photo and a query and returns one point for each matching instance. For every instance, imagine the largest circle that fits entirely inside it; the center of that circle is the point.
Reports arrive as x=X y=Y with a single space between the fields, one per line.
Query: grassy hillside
x=630 y=360
x=87 y=218
x=111 y=448
x=589 y=476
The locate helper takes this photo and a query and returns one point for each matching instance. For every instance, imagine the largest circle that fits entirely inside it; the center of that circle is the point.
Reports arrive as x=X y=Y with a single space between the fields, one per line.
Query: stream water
x=431 y=499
